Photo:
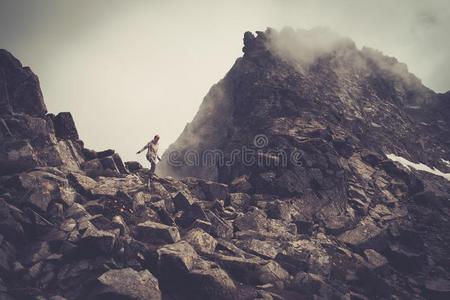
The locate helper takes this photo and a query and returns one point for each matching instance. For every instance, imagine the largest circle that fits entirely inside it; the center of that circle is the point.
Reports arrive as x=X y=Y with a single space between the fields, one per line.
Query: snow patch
x=421 y=167
x=446 y=162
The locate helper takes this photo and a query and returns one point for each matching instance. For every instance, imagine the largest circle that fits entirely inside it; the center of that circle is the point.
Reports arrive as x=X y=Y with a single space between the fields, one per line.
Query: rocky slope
x=338 y=221
x=342 y=110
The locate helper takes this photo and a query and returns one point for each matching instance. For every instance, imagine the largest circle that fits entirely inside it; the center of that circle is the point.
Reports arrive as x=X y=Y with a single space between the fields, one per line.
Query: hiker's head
x=156 y=138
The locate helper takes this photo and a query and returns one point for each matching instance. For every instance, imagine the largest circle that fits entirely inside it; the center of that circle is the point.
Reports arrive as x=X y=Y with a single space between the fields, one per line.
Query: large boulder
x=127 y=284
x=17 y=156
x=437 y=288
x=156 y=232
x=214 y=190
x=65 y=126
x=178 y=257
x=182 y=200
x=365 y=235
x=185 y=274
x=209 y=281
x=9 y=227
x=201 y=241
x=83 y=184
x=97 y=242
x=19 y=87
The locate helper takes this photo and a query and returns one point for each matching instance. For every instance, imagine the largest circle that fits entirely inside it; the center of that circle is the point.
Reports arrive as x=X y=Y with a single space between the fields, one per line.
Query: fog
x=130 y=69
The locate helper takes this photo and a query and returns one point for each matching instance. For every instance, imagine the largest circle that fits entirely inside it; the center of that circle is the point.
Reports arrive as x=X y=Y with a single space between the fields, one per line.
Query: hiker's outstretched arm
x=143 y=148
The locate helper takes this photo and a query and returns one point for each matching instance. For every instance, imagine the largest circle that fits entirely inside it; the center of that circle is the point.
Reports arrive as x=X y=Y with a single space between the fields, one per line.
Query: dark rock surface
x=340 y=221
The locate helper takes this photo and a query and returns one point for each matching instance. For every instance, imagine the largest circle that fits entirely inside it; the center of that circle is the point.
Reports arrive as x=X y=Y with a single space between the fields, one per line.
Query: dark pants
x=152 y=165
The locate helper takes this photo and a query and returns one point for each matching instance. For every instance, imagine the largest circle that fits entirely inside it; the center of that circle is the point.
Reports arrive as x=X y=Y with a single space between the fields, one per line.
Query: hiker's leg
x=152 y=167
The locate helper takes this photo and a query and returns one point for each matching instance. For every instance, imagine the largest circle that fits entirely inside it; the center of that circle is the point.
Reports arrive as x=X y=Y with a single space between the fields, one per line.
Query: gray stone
x=437 y=288
x=156 y=232
x=83 y=184
x=376 y=260
x=240 y=200
x=214 y=190
x=177 y=257
x=365 y=235
x=201 y=241
x=17 y=156
x=264 y=249
x=65 y=126
x=279 y=210
x=241 y=184
x=311 y=284
x=94 y=241
x=182 y=201
x=128 y=283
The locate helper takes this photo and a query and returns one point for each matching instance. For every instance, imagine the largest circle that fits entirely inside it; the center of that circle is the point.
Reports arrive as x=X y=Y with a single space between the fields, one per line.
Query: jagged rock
x=333 y=220
x=65 y=126
x=214 y=190
x=189 y=215
x=9 y=227
x=279 y=210
x=158 y=189
x=210 y=281
x=265 y=249
x=253 y=270
x=180 y=264
x=241 y=184
x=35 y=222
x=108 y=163
x=311 y=284
x=133 y=166
x=17 y=156
x=92 y=166
x=118 y=222
x=243 y=269
x=404 y=258
x=156 y=232
x=99 y=221
x=105 y=153
x=178 y=257
x=375 y=259
x=257 y=222
x=41 y=199
x=305 y=255
x=220 y=228
x=272 y=272
x=76 y=211
x=437 y=288
x=119 y=163
x=140 y=200
x=182 y=201
x=201 y=241
x=204 y=225
x=20 y=87
x=89 y=154
x=365 y=235
x=240 y=200
x=127 y=283
x=36 y=253
x=83 y=184
x=94 y=241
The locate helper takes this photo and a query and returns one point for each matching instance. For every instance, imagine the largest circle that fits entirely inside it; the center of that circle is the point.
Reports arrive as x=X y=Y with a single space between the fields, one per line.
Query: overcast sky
x=130 y=69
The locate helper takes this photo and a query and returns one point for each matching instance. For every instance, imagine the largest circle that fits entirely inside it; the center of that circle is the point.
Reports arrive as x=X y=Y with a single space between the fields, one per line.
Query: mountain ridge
x=383 y=80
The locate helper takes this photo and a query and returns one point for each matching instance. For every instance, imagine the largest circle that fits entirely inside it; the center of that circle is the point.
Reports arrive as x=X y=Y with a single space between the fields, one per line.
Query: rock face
x=128 y=284
x=318 y=117
x=336 y=220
